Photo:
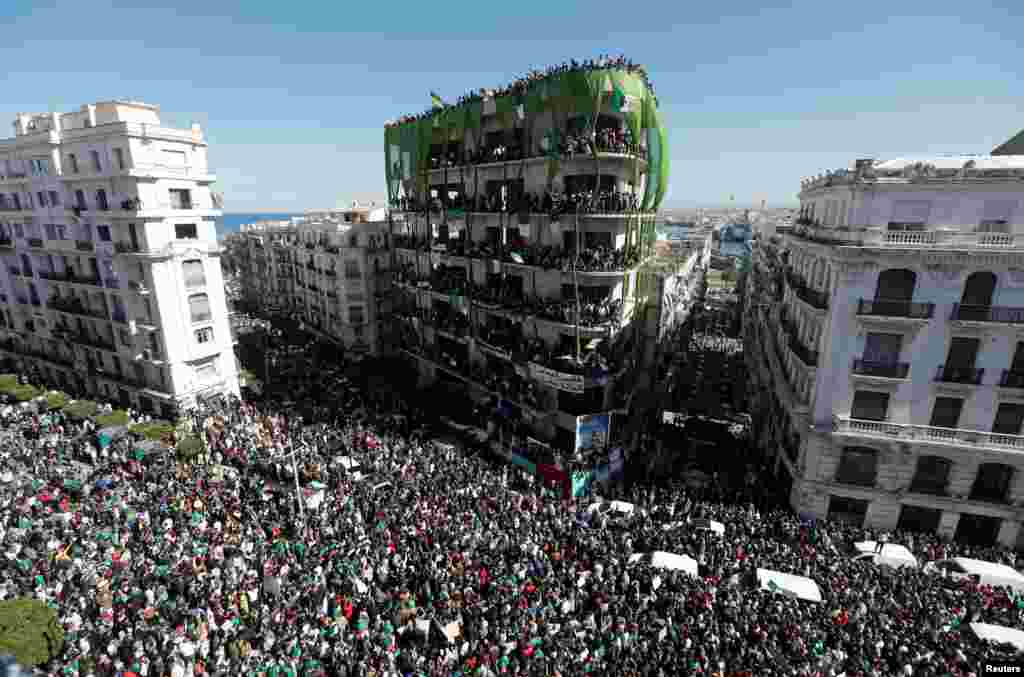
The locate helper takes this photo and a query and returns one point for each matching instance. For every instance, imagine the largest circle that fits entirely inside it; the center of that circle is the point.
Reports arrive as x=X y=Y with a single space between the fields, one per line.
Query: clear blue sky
x=293 y=95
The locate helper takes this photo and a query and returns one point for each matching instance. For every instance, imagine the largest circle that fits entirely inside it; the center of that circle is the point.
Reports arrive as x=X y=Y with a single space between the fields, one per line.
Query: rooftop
x=942 y=168
x=533 y=79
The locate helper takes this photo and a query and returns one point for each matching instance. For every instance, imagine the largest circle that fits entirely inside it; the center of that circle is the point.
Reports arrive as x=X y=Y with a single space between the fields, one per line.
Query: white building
x=330 y=270
x=111 y=282
x=886 y=346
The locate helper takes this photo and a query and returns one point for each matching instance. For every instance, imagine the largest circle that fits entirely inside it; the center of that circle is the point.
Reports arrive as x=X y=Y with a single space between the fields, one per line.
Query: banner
x=581 y=481
x=570 y=383
x=592 y=432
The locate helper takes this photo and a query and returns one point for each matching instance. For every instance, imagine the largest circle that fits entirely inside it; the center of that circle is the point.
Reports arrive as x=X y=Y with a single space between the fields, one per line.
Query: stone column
x=1009 y=531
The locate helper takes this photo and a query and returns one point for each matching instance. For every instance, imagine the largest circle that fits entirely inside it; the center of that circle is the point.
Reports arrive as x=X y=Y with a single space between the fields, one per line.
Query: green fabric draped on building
x=407 y=146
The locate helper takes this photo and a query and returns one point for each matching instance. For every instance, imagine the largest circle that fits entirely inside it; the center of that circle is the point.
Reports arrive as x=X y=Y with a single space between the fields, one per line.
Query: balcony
x=896 y=308
x=138 y=287
x=36 y=242
x=1012 y=379
x=18 y=272
x=845 y=425
x=974 y=313
x=85 y=245
x=74 y=307
x=6 y=243
x=966 y=375
x=960 y=238
x=881 y=368
x=93 y=341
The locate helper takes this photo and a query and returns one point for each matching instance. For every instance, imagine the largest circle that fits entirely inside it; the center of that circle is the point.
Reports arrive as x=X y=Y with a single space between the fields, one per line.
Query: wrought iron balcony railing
x=896 y=308
x=953 y=374
x=881 y=368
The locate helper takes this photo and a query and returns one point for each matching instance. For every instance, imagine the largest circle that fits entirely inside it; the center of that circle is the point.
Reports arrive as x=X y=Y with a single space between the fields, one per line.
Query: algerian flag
x=521 y=112
x=436 y=101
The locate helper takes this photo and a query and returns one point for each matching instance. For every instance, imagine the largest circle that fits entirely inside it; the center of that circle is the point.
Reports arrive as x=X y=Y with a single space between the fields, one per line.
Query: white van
x=789 y=584
x=1000 y=634
x=987 y=573
x=667 y=560
x=893 y=554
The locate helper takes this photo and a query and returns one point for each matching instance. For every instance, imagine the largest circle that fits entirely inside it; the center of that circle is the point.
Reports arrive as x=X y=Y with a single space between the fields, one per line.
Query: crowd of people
x=590 y=259
x=520 y=85
x=554 y=203
x=610 y=139
x=405 y=551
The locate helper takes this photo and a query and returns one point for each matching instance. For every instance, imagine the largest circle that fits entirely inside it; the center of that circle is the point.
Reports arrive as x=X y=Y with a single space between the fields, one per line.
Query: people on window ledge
x=591 y=260
x=608 y=140
x=553 y=203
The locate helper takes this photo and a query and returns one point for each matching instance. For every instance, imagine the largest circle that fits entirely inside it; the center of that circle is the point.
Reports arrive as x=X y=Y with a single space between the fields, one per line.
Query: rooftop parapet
x=940 y=169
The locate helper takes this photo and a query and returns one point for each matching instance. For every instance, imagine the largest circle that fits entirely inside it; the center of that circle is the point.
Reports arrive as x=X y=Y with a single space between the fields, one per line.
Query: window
x=54 y=198
x=859 y=466
x=185 y=231
x=357 y=331
x=39 y=166
x=870 y=405
x=850 y=511
x=41 y=196
x=51 y=231
x=978 y=290
x=204 y=335
x=73 y=163
x=126 y=339
x=896 y=284
x=206 y=372
x=992 y=483
x=963 y=352
x=946 y=412
x=996 y=216
x=883 y=348
x=103 y=233
x=910 y=215
x=180 y=199
x=19 y=230
x=932 y=475
x=119 y=157
x=914 y=518
x=101 y=200
x=199 y=308
x=1008 y=419
x=17 y=201
x=96 y=160
x=195 y=276
x=80 y=199
x=355 y=315
x=352 y=269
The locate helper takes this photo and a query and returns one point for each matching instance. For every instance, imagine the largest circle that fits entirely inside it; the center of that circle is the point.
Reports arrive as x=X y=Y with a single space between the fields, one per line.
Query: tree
x=30 y=632
x=80 y=409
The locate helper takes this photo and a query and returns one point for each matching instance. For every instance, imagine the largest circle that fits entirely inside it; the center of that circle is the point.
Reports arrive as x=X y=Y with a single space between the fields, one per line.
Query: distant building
x=111 y=281
x=329 y=270
x=1015 y=146
x=886 y=351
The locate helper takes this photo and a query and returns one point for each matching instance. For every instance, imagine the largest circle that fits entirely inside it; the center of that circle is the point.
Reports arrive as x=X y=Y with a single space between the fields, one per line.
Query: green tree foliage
x=154 y=430
x=118 y=417
x=29 y=631
x=81 y=409
x=56 y=400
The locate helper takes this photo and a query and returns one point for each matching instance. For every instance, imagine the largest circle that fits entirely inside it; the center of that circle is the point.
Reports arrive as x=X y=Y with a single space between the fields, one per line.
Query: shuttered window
x=199 y=308
x=195 y=276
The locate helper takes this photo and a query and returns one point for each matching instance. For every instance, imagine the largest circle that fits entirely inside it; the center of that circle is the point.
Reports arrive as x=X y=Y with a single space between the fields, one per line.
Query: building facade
x=886 y=345
x=111 y=283
x=524 y=237
x=329 y=270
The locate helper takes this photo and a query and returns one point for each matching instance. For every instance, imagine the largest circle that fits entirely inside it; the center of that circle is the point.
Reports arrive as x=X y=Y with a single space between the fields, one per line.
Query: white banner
x=570 y=383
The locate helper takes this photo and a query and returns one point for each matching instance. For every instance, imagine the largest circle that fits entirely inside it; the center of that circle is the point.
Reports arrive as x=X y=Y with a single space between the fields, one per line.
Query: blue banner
x=592 y=432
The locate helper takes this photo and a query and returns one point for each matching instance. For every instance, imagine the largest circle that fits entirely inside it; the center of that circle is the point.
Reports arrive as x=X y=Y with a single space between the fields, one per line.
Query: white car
x=892 y=554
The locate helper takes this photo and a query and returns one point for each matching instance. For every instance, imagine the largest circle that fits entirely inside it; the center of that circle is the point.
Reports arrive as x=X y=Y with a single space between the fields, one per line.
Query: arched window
x=858 y=465
x=896 y=284
x=978 y=289
x=992 y=483
x=932 y=475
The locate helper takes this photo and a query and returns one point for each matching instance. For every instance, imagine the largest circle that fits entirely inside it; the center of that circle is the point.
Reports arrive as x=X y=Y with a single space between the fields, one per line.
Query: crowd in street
x=393 y=550
x=520 y=85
